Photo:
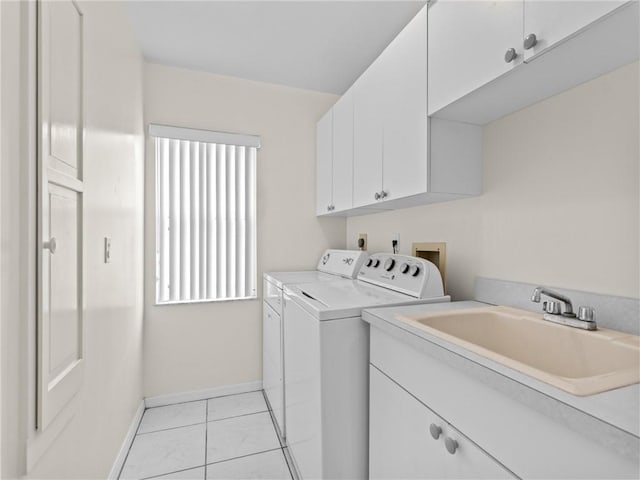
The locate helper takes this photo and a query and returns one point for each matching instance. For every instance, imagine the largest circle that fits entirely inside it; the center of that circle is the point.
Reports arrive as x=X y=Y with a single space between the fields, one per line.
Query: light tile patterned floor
x=231 y=437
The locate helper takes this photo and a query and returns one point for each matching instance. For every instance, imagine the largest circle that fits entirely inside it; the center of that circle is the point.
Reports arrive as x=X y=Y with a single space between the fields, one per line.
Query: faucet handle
x=554 y=308
x=587 y=314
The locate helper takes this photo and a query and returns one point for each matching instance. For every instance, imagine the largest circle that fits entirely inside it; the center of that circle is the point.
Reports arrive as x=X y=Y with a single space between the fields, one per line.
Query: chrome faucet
x=553 y=310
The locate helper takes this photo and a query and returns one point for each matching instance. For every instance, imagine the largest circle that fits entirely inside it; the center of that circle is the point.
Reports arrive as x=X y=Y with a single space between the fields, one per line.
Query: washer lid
x=344 y=298
x=280 y=279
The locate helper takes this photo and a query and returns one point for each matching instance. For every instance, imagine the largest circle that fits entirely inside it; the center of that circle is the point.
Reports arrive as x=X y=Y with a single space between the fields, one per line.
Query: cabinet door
x=400 y=445
x=367 y=136
x=343 y=152
x=324 y=163
x=404 y=69
x=272 y=367
x=468 y=460
x=552 y=22
x=467 y=45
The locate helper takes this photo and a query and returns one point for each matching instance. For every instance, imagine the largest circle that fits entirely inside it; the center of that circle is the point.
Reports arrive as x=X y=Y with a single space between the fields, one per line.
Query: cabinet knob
x=383 y=194
x=435 y=431
x=51 y=245
x=510 y=55
x=376 y=196
x=328 y=208
x=530 y=41
x=451 y=445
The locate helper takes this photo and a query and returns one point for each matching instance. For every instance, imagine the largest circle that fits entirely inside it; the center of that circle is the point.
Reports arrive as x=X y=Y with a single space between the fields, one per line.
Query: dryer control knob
x=376 y=263
x=414 y=270
x=404 y=268
x=369 y=262
x=389 y=264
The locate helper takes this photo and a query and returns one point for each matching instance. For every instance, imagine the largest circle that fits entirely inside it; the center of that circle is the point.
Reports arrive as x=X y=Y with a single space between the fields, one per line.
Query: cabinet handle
x=510 y=55
x=376 y=196
x=530 y=41
x=51 y=245
x=435 y=431
x=451 y=445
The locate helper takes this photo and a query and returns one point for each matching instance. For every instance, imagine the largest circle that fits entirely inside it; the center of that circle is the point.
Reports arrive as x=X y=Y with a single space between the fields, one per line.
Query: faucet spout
x=568 y=306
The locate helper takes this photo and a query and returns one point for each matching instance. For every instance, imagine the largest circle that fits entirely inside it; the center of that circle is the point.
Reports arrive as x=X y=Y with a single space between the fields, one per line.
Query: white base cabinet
x=402 y=445
x=502 y=435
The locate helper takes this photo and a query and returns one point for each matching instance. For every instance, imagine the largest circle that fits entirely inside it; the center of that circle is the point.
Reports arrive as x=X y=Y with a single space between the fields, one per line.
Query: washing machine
x=332 y=265
x=326 y=360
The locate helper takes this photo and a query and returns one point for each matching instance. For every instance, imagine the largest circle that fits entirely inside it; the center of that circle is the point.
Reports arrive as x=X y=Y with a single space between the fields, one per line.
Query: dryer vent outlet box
x=436 y=253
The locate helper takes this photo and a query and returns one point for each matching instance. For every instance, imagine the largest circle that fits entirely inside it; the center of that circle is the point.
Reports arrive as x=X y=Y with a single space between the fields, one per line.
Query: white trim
x=126 y=443
x=171 y=398
x=208 y=136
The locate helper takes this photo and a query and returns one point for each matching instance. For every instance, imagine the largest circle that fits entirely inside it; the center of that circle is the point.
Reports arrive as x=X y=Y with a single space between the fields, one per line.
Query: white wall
x=192 y=347
x=114 y=183
x=560 y=203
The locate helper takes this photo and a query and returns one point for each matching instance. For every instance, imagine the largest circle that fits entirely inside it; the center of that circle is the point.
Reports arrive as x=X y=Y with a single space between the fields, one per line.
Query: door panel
x=467 y=44
x=60 y=214
x=343 y=152
x=324 y=163
x=367 y=136
x=553 y=22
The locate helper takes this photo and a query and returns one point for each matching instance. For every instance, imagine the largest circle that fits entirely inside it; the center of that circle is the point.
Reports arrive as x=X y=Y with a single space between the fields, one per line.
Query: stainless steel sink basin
x=578 y=361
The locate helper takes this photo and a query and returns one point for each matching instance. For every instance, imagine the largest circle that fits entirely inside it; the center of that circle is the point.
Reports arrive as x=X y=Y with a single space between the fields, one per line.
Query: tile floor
x=231 y=437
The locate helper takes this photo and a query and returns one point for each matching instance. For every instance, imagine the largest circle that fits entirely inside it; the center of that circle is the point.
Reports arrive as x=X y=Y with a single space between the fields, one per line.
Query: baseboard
x=126 y=443
x=162 y=400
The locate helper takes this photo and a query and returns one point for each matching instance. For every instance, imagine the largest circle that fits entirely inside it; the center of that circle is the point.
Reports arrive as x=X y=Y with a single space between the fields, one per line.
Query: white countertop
x=614 y=414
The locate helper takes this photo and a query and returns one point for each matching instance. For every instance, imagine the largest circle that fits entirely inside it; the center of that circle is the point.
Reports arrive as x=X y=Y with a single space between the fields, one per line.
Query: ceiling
x=316 y=45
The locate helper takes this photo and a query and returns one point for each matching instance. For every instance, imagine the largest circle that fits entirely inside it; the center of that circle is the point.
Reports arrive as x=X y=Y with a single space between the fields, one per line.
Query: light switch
x=107 y=250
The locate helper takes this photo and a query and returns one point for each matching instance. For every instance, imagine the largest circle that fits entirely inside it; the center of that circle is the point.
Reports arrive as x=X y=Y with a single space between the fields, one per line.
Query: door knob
x=50 y=245
x=530 y=41
x=451 y=445
x=510 y=55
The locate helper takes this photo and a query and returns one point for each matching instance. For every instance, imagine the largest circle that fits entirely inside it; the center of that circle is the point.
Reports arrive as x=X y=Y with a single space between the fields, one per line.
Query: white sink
x=578 y=361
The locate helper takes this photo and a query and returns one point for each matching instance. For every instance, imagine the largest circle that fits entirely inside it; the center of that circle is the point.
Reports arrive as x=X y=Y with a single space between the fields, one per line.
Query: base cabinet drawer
x=408 y=440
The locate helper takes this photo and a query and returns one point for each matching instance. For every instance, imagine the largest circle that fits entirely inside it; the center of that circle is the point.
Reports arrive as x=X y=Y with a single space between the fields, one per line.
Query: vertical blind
x=205 y=215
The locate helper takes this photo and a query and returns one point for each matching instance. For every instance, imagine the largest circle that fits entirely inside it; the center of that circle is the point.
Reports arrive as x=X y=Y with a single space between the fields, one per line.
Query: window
x=205 y=215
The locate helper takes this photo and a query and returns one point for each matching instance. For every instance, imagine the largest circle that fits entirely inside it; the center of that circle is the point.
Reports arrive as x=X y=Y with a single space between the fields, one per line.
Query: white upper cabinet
x=343 y=152
x=470 y=44
x=404 y=110
x=324 y=163
x=490 y=58
x=368 y=95
x=548 y=23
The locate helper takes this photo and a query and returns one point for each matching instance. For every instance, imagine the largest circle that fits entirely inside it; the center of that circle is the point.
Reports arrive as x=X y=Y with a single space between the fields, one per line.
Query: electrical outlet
x=362 y=241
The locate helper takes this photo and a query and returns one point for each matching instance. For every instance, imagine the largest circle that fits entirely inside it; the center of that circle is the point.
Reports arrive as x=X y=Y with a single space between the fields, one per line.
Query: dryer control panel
x=345 y=263
x=411 y=275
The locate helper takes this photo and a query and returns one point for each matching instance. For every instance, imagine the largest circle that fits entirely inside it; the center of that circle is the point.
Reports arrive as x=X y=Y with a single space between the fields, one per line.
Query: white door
x=324 y=163
x=367 y=136
x=400 y=445
x=343 y=152
x=468 y=41
x=404 y=63
x=60 y=215
x=552 y=22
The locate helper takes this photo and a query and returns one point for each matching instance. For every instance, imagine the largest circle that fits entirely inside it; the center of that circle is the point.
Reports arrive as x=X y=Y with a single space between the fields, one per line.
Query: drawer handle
x=435 y=431
x=451 y=445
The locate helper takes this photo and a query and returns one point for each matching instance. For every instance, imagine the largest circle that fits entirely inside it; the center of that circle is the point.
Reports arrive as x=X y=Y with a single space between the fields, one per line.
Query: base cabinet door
x=400 y=445
x=408 y=440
